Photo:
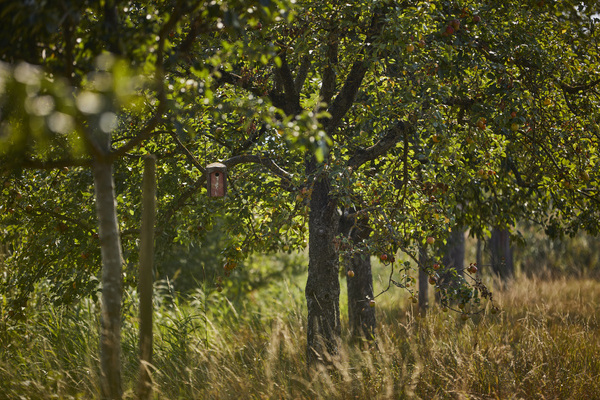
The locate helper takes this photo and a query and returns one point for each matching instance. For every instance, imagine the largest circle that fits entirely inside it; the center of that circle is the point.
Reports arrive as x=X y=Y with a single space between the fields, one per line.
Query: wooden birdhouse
x=216 y=179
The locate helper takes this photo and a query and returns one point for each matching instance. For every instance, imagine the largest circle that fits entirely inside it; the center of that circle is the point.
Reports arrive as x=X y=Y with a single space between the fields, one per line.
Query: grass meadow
x=543 y=344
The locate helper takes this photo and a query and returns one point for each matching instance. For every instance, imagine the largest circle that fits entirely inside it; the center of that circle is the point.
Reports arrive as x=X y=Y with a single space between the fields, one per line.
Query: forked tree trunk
x=361 y=316
x=323 y=286
x=110 y=246
x=423 y=299
x=145 y=278
x=501 y=253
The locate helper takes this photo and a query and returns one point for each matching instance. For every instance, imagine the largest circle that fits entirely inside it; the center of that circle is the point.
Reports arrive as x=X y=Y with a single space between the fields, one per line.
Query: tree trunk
x=361 y=317
x=145 y=278
x=423 y=300
x=453 y=258
x=479 y=253
x=323 y=286
x=501 y=253
x=110 y=246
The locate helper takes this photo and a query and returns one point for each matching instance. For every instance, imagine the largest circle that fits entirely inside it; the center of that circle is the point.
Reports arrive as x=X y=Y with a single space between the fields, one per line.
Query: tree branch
x=236 y=80
x=329 y=76
x=257 y=159
x=302 y=74
x=187 y=153
x=230 y=163
x=347 y=95
x=61 y=163
x=579 y=88
x=292 y=100
x=392 y=136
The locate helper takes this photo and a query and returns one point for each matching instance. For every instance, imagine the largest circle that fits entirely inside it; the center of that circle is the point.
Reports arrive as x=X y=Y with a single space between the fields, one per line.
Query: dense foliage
x=410 y=118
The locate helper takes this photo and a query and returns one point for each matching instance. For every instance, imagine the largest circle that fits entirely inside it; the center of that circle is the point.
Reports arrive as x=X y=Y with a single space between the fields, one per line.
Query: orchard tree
x=433 y=115
x=73 y=75
x=405 y=118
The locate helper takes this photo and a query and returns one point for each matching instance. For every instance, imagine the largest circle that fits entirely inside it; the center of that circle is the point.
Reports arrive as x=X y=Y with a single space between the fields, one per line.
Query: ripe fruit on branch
x=436 y=266
x=432 y=280
x=371 y=303
x=383 y=257
x=410 y=48
x=472 y=269
x=476 y=19
x=430 y=240
x=481 y=123
x=350 y=274
x=449 y=30
x=229 y=265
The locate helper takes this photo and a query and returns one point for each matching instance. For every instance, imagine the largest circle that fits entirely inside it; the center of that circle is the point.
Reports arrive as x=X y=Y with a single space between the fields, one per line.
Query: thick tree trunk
x=110 y=246
x=323 y=286
x=501 y=253
x=423 y=300
x=453 y=258
x=145 y=275
x=361 y=316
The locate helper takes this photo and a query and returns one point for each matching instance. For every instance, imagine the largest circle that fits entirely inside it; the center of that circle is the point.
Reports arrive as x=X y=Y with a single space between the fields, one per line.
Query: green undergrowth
x=544 y=344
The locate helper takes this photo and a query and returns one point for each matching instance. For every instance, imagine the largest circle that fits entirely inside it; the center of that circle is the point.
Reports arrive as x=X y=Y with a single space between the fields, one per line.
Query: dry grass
x=545 y=344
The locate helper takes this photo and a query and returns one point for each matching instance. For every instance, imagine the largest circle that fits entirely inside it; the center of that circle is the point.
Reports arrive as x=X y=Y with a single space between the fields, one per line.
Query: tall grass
x=544 y=344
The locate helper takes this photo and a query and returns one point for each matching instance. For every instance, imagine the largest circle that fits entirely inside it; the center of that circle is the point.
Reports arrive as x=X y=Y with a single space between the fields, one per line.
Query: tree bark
x=110 y=246
x=453 y=258
x=501 y=253
x=145 y=275
x=361 y=317
x=423 y=300
x=322 y=287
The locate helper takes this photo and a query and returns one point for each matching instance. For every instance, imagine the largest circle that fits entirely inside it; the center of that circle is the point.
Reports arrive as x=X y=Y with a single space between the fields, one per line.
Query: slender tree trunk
x=423 y=300
x=110 y=246
x=323 y=286
x=145 y=276
x=361 y=317
x=479 y=253
x=502 y=258
x=453 y=258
